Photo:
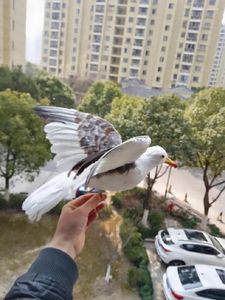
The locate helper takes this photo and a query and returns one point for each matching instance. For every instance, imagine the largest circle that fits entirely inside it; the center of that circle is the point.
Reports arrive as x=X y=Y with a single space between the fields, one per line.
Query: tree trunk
x=147 y=201
x=6 y=194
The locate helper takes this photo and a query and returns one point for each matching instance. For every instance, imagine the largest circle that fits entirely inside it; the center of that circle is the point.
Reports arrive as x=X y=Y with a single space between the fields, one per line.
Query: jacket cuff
x=58 y=265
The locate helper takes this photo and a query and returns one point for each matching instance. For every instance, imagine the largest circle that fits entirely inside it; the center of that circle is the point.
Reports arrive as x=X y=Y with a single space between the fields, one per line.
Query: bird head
x=158 y=156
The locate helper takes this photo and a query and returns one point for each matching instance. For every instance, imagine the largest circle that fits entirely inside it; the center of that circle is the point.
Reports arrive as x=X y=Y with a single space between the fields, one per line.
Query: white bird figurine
x=91 y=153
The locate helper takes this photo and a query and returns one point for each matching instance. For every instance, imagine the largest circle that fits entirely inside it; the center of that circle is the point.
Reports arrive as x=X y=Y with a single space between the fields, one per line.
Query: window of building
x=174 y=76
x=159 y=69
x=149 y=42
x=128 y=41
x=204 y=37
x=212 y=2
x=167 y=27
x=55 y=16
x=125 y=60
x=130 y=20
x=184 y=78
x=195 y=79
x=52 y=62
x=132 y=9
x=56 y=5
x=182 y=34
x=165 y=38
x=199 y=58
x=143 y=10
x=53 y=44
x=145 y=63
x=129 y=30
x=161 y=59
x=177 y=66
x=141 y=22
x=154 y=11
x=169 y=17
x=157 y=79
x=147 y=52
x=124 y=70
x=187 y=58
x=93 y=67
x=163 y=49
x=144 y=72
x=171 y=5
x=186 y=13
x=209 y=14
x=100 y=8
x=55 y=25
x=152 y=22
x=133 y=72
x=202 y=48
x=54 y=34
x=53 y=52
x=197 y=69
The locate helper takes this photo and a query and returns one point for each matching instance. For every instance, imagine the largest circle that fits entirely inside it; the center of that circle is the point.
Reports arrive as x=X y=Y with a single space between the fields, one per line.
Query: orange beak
x=170 y=162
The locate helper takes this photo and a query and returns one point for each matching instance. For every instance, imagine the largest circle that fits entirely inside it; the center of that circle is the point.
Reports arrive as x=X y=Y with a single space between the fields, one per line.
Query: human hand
x=73 y=221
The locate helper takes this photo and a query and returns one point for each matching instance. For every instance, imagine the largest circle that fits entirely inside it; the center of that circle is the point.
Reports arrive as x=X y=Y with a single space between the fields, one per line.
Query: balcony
x=141 y=22
x=122 y=2
x=119 y=31
x=198 y=4
x=192 y=37
x=116 y=51
x=115 y=60
x=189 y=48
x=144 y=2
x=138 y=43
x=114 y=70
x=118 y=41
x=121 y=11
x=120 y=21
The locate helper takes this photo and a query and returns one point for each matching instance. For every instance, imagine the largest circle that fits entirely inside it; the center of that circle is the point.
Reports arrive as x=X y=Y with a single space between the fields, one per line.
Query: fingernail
x=103 y=196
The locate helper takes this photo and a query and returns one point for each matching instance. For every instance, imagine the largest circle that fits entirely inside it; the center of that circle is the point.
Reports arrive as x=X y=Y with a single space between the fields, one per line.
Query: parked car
x=188 y=246
x=195 y=282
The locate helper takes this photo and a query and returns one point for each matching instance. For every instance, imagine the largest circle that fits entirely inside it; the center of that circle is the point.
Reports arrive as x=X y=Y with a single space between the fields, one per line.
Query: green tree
x=58 y=93
x=23 y=148
x=205 y=113
x=168 y=128
x=16 y=80
x=99 y=97
x=127 y=116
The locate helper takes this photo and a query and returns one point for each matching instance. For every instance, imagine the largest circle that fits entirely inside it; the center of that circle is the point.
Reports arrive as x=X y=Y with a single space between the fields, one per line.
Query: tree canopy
x=99 y=96
x=127 y=116
x=38 y=84
x=205 y=114
x=23 y=147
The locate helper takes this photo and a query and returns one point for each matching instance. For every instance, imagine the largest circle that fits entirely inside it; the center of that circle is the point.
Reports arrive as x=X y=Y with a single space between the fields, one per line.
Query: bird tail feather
x=49 y=195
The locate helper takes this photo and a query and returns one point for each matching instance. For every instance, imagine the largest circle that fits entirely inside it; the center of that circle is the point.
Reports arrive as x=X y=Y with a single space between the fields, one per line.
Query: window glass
x=189 y=277
x=217 y=294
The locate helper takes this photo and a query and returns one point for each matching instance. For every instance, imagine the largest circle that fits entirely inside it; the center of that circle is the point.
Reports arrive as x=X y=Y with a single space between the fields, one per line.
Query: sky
x=35 y=20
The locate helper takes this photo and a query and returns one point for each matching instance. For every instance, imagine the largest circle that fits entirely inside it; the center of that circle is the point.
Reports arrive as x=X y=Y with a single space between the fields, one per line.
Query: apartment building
x=12 y=32
x=164 y=43
x=217 y=76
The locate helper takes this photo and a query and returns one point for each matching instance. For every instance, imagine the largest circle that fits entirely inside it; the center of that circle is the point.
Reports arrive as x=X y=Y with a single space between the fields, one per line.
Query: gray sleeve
x=51 y=276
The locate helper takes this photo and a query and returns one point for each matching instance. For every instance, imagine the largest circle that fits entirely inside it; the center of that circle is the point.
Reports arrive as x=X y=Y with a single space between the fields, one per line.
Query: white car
x=197 y=282
x=188 y=246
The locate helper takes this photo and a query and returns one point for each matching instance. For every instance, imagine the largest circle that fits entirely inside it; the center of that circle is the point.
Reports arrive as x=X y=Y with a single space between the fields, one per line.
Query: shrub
x=117 y=200
x=16 y=200
x=106 y=212
x=138 y=277
x=155 y=220
x=146 y=292
x=214 y=230
x=136 y=254
x=145 y=232
x=3 y=202
x=133 y=214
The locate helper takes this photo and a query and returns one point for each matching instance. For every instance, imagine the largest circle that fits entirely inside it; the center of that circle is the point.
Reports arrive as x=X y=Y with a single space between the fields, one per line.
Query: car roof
x=178 y=235
x=209 y=276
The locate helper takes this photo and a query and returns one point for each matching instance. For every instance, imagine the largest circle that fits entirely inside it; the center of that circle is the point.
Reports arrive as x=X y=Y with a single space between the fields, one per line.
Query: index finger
x=79 y=201
x=93 y=202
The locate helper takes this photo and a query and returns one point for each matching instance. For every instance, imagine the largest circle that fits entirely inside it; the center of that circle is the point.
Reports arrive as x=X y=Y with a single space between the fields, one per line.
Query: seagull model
x=90 y=152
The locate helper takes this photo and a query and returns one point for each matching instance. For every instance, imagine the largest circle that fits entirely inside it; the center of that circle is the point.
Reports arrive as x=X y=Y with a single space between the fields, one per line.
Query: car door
x=210 y=255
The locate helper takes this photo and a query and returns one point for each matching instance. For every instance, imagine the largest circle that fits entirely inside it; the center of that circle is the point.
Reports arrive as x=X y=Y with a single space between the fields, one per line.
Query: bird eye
x=163 y=156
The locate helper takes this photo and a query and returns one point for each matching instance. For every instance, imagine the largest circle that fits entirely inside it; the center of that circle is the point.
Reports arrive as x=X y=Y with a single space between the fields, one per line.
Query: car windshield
x=195 y=235
x=221 y=274
x=217 y=244
x=189 y=277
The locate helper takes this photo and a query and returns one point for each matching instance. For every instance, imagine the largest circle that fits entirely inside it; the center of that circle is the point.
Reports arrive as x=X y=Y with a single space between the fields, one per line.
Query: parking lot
x=157 y=270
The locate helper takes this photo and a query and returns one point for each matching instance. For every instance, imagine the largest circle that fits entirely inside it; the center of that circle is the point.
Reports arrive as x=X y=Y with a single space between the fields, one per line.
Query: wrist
x=64 y=246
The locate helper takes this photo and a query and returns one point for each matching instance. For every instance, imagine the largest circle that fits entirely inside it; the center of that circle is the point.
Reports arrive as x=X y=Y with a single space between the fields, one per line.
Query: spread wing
x=120 y=155
x=75 y=135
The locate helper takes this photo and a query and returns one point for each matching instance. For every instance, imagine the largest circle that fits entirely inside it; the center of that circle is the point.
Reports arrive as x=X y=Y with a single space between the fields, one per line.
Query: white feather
x=51 y=193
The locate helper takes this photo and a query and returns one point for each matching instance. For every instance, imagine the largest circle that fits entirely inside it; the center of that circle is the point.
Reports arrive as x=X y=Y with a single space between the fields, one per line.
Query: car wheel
x=176 y=263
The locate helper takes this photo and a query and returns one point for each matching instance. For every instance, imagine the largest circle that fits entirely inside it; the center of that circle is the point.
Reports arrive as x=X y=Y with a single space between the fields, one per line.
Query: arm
x=54 y=272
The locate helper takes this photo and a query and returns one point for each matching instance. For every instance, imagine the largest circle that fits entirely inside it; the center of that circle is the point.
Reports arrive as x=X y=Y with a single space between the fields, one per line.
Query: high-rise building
x=12 y=32
x=165 y=43
x=217 y=76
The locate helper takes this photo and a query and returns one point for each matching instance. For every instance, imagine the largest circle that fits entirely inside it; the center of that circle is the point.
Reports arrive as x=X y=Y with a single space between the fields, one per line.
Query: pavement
x=189 y=181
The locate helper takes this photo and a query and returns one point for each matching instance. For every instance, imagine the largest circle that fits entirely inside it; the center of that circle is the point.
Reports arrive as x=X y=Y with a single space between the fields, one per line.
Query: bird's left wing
x=75 y=135
x=122 y=154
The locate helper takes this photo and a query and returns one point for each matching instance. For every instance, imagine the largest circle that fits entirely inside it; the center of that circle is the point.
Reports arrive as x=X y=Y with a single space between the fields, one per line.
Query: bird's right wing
x=122 y=154
x=75 y=135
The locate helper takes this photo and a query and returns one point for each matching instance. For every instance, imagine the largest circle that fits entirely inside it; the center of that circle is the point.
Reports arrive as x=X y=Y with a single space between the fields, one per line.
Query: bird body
x=93 y=155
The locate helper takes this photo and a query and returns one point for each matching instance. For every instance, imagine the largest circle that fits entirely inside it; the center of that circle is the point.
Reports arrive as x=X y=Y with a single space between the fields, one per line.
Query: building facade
x=12 y=32
x=164 y=43
x=217 y=76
